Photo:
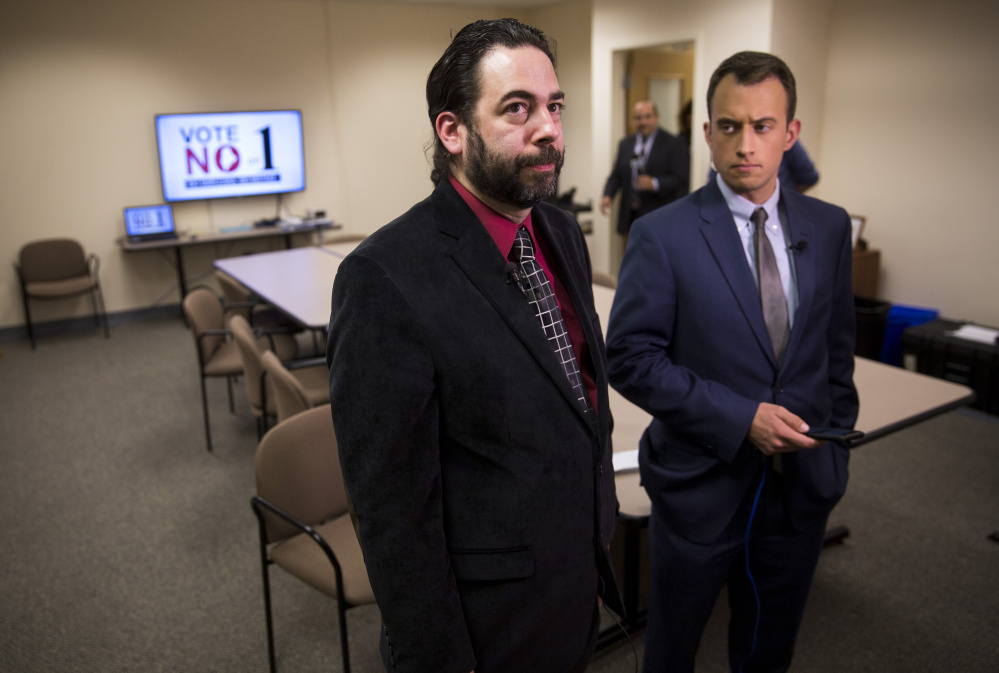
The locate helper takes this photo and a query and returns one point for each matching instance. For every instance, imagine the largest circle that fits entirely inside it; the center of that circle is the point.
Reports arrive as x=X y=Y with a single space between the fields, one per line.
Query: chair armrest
x=260 y=504
x=93 y=264
x=240 y=304
x=305 y=362
x=212 y=332
x=269 y=332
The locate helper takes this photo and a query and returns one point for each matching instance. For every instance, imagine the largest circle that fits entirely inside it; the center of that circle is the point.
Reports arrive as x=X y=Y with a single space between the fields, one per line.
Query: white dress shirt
x=742 y=209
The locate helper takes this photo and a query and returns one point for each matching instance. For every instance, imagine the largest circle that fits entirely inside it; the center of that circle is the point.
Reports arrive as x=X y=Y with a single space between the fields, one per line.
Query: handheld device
x=840 y=435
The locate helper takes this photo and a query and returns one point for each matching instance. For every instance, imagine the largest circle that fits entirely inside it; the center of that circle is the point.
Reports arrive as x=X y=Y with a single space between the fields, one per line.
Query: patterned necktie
x=642 y=147
x=542 y=298
x=771 y=291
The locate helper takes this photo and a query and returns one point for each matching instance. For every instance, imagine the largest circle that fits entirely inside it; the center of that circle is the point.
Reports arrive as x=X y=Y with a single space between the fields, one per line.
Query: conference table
x=299 y=282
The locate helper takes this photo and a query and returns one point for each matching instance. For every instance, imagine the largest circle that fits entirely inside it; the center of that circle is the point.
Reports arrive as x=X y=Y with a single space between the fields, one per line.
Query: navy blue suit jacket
x=668 y=162
x=687 y=342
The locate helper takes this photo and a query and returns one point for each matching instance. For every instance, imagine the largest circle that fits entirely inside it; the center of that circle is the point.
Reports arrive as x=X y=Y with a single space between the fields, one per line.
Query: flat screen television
x=216 y=155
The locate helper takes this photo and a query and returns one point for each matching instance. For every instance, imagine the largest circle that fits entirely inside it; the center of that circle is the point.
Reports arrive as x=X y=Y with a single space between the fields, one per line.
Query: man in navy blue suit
x=738 y=343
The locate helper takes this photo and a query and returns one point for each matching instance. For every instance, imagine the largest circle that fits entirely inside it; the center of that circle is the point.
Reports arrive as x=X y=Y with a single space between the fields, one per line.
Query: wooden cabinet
x=866 y=265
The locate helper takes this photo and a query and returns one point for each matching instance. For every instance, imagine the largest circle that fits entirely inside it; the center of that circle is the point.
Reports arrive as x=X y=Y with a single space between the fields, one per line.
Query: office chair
x=218 y=355
x=56 y=268
x=302 y=513
x=290 y=396
x=314 y=378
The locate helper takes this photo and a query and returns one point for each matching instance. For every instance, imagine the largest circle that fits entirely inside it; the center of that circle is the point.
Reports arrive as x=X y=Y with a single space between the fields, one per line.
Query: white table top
x=891 y=399
x=296 y=281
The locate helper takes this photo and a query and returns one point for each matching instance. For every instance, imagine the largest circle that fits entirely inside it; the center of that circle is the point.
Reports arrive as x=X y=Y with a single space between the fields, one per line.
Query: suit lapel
x=476 y=254
x=580 y=295
x=799 y=229
x=718 y=229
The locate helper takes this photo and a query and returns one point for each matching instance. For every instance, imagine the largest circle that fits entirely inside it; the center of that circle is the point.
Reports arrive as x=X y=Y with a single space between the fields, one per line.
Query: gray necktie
x=771 y=291
x=542 y=298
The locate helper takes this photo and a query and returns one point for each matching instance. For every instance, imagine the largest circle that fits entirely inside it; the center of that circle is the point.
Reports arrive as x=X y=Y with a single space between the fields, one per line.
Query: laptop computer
x=149 y=223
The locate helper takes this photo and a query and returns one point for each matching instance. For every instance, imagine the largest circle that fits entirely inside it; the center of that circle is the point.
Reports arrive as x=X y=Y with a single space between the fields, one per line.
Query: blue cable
x=752 y=582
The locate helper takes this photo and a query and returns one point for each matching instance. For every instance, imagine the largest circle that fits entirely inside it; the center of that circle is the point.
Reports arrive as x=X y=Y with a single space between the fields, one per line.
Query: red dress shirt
x=503 y=233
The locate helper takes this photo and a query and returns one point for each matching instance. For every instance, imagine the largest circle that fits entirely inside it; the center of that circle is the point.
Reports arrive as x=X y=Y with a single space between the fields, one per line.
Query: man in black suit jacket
x=480 y=474
x=740 y=495
x=652 y=169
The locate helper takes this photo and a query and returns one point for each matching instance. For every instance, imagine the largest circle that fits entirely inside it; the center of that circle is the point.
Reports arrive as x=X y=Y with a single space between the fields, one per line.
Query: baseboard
x=67 y=325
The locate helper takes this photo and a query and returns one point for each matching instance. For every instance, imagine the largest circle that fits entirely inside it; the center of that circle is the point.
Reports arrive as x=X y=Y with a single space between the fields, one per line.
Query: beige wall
x=718 y=29
x=893 y=99
x=378 y=79
x=570 y=24
x=910 y=141
x=80 y=84
x=801 y=37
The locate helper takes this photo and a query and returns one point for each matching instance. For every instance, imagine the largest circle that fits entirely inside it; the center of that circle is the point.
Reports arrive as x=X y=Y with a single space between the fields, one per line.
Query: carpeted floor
x=126 y=546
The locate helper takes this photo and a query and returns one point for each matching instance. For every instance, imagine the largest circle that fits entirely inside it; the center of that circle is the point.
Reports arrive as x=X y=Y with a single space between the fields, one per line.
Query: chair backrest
x=289 y=395
x=52 y=259
x=605 y=279
x=298 y=469
x=344 y=238
x=253 y=367
x=234 y=293
x=203 y=311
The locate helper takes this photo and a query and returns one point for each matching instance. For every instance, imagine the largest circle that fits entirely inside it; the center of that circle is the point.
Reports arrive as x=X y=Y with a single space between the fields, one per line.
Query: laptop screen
x=149 y=221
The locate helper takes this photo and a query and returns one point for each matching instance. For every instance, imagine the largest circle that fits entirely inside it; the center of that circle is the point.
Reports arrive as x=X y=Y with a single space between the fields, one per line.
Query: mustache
x=546 y=155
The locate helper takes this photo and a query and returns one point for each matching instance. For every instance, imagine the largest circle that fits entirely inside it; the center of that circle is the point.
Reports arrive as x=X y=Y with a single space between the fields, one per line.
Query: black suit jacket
x=668 y=162
x=485 y=500
x=687 y=342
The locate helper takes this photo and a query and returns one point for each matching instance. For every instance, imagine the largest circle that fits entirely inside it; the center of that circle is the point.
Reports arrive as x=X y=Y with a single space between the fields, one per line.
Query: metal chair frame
x=260 y=506
x=201 y=368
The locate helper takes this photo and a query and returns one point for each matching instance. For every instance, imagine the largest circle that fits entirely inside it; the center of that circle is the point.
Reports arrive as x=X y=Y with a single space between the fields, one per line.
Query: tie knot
x=759 y=217
x=523 y=247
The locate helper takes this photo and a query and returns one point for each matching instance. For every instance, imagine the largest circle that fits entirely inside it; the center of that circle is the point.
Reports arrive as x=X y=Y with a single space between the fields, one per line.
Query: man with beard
x=469 y=388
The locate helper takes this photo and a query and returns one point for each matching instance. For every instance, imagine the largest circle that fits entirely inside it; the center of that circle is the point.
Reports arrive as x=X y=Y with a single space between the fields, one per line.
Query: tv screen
x=221 y=154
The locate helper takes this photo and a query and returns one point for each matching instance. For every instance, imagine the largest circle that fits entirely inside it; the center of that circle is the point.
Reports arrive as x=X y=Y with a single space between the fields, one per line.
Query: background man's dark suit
x=668 y=162
x=491 y=545
x=688 y=343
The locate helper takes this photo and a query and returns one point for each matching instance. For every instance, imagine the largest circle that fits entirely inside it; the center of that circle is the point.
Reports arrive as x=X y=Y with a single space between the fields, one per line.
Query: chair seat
x=225 y=361
x=301 y=557
x=60 y=288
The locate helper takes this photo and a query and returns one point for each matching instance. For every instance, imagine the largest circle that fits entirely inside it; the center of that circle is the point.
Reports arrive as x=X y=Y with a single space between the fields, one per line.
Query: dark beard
x=493 y=176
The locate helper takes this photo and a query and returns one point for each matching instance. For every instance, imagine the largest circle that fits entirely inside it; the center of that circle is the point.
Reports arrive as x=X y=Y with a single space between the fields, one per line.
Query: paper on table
x=985 y=335
x=625 y=461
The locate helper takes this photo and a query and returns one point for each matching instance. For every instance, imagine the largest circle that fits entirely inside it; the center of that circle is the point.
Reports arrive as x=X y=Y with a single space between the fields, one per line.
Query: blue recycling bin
x=899 y=318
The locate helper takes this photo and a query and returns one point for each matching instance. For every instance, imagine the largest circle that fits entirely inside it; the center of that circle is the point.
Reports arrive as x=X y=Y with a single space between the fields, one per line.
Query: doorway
x=662 y=73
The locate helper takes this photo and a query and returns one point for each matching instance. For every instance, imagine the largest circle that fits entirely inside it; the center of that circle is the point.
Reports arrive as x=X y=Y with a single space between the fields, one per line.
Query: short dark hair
x=453 y=83
x=753 y=67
